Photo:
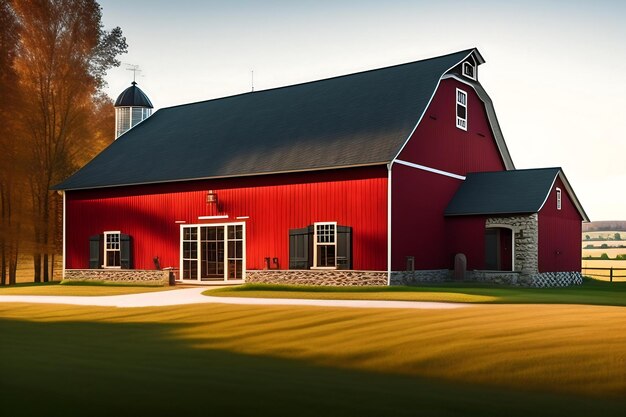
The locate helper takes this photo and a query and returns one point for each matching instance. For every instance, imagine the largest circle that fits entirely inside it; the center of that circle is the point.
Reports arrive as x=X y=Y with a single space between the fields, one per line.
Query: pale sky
x=555 y=69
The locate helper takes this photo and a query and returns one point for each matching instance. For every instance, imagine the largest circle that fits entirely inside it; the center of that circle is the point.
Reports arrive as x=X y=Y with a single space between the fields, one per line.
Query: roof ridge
x=319 y=80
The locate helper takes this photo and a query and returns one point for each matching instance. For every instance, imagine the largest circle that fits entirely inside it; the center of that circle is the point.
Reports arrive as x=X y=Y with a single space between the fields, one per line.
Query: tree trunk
x=3 y=278
x=46 y=268
x=37 y=265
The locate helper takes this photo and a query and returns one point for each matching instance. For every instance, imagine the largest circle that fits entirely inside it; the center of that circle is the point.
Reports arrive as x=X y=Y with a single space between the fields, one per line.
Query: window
x=461 y=109
x=112 y=252
x=558 y=199
x=468 y=70
x=321 y=245
x=325 y=239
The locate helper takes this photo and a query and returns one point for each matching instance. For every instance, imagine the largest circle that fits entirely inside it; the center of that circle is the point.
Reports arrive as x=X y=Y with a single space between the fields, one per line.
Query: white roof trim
x=429 y=169
x=570 y=193
x=427 y=106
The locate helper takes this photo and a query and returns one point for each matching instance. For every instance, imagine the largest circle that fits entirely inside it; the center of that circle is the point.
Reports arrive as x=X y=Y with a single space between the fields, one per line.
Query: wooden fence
x=610 y=273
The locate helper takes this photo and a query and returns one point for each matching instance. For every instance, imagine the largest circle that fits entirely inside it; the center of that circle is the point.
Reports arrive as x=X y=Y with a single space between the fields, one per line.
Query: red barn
x=378 y=177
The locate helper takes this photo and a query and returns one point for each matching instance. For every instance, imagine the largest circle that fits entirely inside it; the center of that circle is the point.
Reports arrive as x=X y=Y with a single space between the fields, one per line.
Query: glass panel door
x=213 y=252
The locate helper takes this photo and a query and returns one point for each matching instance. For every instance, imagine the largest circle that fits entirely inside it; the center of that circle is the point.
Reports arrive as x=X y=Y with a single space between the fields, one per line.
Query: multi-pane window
x=461 y=109
x=558 y=199
x=325 y=240
x=190 y=252
x=112 y=253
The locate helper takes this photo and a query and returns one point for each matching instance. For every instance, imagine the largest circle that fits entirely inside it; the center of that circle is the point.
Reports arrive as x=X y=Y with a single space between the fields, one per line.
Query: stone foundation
x=119 y=276
x=497 y=277
x=325 y=277
x=421 y=276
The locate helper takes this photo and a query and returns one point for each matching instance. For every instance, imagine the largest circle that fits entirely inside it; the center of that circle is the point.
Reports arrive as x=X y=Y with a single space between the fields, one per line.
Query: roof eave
x=59 y=187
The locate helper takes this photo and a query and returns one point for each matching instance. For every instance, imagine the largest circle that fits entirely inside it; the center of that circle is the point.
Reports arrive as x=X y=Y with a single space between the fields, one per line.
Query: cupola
x=131 y=108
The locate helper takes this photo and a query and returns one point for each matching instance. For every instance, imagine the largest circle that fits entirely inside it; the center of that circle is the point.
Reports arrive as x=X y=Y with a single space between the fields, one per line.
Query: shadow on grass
x=110 y=369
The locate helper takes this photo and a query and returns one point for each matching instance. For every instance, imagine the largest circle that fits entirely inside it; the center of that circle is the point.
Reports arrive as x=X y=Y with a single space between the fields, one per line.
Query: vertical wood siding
x=559 y=234
x=419 y=198
x=418 y=225
x=438 y=143
x=354 y=197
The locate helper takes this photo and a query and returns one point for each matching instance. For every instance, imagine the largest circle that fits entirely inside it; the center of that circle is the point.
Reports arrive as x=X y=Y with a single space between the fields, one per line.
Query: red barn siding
x=418 y=229
x=419 y=198
x=466 y=235
x=438 y=143
x=559 y=234
x=275 y=203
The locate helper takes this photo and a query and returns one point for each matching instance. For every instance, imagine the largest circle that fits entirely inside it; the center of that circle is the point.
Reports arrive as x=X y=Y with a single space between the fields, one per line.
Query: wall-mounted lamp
x=211 y=197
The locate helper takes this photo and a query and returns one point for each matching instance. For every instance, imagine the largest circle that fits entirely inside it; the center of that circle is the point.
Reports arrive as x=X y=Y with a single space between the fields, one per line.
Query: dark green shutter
x=344 y=247
x=95 y=251
x=125 y=252
x=300 y=250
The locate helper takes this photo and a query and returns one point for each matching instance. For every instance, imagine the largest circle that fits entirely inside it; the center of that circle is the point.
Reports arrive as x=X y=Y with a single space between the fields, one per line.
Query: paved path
x=194 y=296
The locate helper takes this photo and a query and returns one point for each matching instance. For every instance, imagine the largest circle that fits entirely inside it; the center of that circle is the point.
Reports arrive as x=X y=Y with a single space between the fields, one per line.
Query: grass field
x=55 y=288
x=611 y=252
x=488 y=360
x=591 y=292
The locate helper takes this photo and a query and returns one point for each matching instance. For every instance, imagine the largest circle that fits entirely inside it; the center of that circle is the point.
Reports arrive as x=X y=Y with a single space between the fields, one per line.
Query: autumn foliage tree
x=60 y=59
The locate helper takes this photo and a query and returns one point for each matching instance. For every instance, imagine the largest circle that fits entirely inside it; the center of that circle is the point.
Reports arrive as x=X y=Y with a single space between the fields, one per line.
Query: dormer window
x=469 y=70
x=461 y=109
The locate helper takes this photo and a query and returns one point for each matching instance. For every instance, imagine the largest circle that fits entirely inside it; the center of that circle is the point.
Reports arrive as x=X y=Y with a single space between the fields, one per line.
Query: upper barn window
x=461 y=109
x=558 y=199
x=469 y=70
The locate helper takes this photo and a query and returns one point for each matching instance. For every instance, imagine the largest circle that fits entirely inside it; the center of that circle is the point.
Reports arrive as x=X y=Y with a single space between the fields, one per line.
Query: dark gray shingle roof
x=133 y=96
x=351 y=120
x=503 y=192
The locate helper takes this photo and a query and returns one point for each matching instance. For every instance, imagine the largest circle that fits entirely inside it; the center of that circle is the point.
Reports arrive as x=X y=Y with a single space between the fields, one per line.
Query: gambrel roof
x=519 y=191
x=352 y=120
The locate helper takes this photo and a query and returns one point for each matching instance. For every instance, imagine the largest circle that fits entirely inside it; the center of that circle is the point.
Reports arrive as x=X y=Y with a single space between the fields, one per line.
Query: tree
x=11 y=155
x=587 y=237
x=604 y=256
x=617 y=236
x=62 y=58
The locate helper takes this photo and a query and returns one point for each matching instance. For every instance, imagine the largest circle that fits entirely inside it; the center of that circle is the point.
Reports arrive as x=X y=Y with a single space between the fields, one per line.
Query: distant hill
x=605 y=226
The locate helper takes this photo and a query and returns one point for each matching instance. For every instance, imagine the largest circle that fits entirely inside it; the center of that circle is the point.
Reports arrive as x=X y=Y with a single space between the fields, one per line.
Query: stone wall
x=419 y=276
x=496 y=277
x=119 y=276
x=525 y=230
x=325 y=277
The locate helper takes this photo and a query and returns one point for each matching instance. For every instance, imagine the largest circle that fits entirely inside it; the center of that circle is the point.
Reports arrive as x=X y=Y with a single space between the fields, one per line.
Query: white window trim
x=243 y=254
x=315 y=244
x=457 y=103
x=467 y=63
x=104 y=254
x=559 y=195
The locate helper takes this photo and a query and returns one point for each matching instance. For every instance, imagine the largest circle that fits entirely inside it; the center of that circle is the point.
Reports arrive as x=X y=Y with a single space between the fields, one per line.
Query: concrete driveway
x=194 y=296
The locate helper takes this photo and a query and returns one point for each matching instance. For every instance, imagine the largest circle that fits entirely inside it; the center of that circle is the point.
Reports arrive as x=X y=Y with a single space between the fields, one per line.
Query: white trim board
x=429 y=169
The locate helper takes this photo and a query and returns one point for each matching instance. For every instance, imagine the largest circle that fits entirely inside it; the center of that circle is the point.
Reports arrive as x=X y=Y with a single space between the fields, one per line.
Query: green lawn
x=217 y=359
x=76 y=288
x=591 y=292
